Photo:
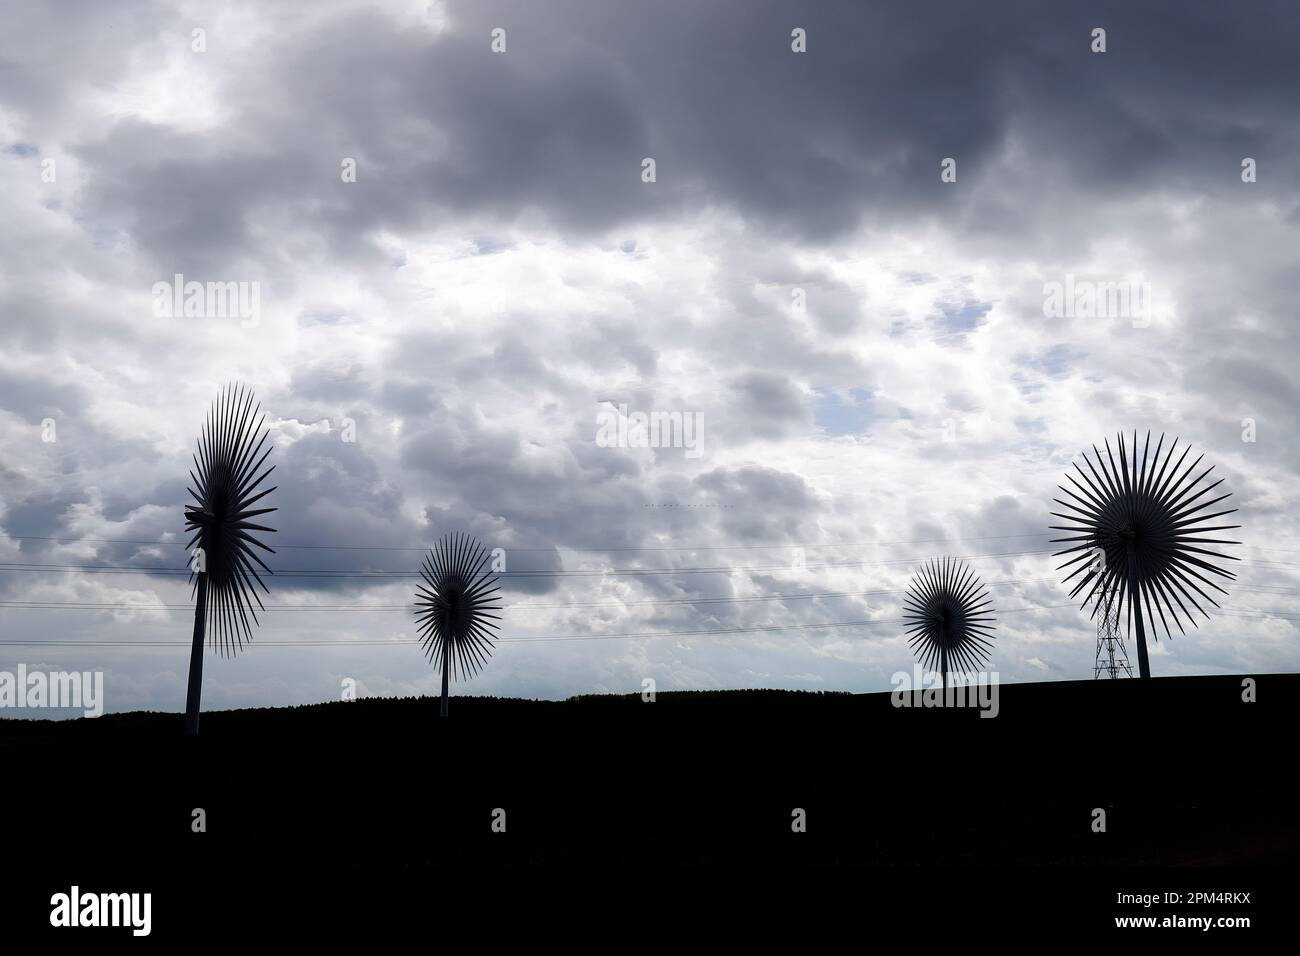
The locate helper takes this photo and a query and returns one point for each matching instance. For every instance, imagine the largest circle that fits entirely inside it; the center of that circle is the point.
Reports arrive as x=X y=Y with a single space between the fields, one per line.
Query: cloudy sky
x=863 y=338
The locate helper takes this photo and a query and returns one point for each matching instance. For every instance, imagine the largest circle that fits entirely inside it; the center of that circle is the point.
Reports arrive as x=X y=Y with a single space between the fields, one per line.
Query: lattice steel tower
x=1112 y=656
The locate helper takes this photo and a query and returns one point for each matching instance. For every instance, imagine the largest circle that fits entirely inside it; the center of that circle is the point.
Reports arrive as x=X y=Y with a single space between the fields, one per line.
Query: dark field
x=1190 y=778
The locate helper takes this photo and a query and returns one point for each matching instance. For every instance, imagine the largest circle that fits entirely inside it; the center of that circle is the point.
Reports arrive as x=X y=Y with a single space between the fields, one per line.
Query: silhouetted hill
x=1080 y=706
x=385 y=794
x=879 y=783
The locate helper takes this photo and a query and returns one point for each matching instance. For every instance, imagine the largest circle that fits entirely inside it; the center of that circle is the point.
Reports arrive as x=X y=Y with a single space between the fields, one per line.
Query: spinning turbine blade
x=1142 y=529
x=455 y=603
x=948 y=617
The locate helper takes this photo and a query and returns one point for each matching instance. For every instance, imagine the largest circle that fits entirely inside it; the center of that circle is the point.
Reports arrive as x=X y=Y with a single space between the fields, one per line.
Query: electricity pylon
x=1112 y=656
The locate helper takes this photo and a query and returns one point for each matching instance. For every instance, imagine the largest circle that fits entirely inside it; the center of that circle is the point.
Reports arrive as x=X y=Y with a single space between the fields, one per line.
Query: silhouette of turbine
x=454 y=606
x=948 y=614
x=229 y=457
x=1138 y=529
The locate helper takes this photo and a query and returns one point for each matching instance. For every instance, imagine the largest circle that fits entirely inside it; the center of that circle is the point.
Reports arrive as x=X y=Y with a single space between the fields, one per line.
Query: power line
x=1250 y=613
x=547 y=550
x=553 y=638
x=593 y=550
x=383 y=573
x=667 y=602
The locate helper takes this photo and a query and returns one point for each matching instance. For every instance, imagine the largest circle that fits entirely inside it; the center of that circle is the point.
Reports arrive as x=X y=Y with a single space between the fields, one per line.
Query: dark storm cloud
x=194 y=200
x=35 y=397
x=761 y=504
x=808 y=143
x=324 y=386
x=767 y=405
x=53 y=53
